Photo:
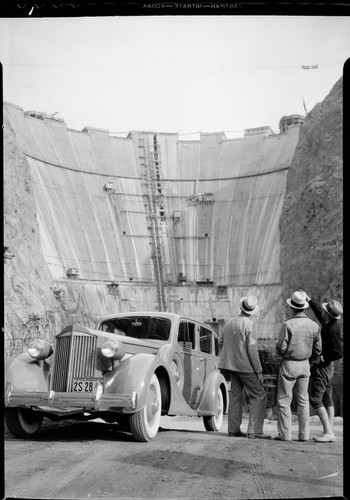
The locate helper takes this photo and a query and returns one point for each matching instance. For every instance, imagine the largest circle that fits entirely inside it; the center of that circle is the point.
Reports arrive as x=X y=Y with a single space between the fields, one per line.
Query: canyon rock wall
x=311 y=223
x=27 y=280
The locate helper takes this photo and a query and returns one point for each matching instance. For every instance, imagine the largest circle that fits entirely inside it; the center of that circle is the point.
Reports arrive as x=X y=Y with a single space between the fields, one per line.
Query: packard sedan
x=130 y=369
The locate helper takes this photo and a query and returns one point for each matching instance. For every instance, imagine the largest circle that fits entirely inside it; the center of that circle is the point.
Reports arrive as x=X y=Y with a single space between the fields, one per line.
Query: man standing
x=240 y=357
x=299 y=341
x=322 y=370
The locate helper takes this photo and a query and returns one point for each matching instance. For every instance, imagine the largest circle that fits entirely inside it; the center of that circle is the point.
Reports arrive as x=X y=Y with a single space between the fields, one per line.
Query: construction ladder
x=153 y=190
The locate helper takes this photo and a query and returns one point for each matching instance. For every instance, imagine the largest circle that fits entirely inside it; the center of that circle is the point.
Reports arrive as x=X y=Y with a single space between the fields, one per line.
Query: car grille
x=74 y=357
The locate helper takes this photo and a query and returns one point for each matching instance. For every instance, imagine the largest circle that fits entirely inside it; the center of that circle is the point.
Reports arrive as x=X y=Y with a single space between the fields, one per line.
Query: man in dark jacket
x=322 y=370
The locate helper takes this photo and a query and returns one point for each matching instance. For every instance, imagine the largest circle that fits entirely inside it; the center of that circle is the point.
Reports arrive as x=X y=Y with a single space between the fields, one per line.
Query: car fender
x=133 y=374
x=171 y=355
x=26 y=374
x=214 y=381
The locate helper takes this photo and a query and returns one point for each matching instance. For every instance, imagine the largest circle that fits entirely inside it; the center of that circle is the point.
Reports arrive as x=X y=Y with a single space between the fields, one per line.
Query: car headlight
x=39 y=349
x=113 y=349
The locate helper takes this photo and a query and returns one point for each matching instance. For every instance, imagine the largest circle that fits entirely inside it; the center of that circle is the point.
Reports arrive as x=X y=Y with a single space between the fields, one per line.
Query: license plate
x=85 y=384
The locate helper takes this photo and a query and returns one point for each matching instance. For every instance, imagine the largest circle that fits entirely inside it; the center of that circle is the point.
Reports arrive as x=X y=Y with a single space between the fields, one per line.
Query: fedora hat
x=249 y=304
x=333 y=308
x=298 y=301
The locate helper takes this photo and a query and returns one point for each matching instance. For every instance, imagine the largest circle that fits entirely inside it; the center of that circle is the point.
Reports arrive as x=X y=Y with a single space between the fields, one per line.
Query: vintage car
x=131 y=369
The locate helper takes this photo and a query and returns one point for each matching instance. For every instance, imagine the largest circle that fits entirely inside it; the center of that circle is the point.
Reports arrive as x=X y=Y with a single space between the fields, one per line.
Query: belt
x=294 y=359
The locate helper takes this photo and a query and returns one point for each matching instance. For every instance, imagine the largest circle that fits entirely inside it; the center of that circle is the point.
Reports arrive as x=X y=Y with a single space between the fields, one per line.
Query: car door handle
x=201 y=359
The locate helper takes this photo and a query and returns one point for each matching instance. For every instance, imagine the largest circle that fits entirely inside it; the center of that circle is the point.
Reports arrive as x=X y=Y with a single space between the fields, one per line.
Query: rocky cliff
x=27 y=282
x=311 y=223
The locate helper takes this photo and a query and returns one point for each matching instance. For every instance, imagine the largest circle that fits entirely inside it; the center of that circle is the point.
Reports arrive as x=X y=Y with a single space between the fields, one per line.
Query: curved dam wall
x=96 y=224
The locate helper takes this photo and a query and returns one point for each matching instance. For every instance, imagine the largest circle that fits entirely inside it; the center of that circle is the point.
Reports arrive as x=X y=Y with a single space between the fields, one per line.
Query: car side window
x=186 y=335
x=217 y=347
x=205 y=341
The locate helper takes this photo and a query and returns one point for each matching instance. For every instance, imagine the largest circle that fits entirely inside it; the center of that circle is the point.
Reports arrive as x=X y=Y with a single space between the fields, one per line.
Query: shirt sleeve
x=317 y=310
x=221 y=337
x=316 y=348
x=282 y=342
x=252 y=349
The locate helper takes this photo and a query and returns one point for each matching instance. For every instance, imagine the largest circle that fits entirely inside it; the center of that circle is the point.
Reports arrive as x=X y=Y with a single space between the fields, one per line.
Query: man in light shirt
x=299 y=343
x=240 y=358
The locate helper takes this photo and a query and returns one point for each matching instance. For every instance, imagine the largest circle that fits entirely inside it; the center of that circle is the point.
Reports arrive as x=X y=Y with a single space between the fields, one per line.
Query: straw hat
x=333 y=308
x=298 y=301
x=249 y=304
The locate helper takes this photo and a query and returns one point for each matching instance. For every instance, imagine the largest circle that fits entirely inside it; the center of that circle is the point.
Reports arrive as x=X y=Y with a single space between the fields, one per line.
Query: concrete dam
x=153 y=222
x=96 y=224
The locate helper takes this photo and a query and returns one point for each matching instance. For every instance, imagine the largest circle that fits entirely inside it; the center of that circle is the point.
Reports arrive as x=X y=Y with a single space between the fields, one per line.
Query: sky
x=184 y=74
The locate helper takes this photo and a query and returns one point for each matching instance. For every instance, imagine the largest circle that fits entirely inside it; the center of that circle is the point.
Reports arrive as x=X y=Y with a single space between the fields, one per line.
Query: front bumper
x=62 y=402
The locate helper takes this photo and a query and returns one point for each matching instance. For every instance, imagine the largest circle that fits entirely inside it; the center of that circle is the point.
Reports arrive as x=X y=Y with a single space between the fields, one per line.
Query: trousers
x=293 y=374
x=257 y=402
x=321 y=392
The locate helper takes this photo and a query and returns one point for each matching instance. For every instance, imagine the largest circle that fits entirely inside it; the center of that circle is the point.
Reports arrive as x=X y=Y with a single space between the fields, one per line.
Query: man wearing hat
x=298 y=342
x=240 y=358
x=322 y=370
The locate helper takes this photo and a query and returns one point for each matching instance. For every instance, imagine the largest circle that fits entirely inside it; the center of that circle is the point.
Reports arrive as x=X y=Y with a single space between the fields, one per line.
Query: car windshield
x=139 y=327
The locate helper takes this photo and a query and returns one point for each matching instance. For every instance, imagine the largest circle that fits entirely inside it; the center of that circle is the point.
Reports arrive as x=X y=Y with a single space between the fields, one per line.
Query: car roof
x=160 y=314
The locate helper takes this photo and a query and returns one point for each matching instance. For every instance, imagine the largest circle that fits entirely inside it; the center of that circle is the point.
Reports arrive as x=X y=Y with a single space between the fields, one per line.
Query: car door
x=208 y=347
x=187 y=341
x=200 y=364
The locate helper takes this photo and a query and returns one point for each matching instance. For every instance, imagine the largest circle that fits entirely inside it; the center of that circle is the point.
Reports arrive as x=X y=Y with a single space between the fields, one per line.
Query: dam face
x=96 y=224
x=147 y=222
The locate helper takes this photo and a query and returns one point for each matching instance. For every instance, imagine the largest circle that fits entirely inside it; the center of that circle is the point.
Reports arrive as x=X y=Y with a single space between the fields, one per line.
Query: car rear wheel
x=214 y=422
x=144 y=424
x=23 y=423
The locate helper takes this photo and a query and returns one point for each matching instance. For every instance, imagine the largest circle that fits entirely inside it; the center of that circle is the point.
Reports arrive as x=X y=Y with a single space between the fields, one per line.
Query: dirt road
x=91 y=460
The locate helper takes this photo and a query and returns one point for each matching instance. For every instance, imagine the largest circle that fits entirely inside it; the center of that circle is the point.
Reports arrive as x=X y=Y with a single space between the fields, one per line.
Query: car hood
x=135 y=346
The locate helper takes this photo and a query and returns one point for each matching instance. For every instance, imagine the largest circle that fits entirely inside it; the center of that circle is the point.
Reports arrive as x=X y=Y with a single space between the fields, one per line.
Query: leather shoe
x=259 y=436
x=279 y=438
x=237 y=434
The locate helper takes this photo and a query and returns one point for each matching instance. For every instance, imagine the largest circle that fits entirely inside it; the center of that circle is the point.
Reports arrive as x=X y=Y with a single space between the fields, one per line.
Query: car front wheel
x=214 y=422
x=144 y=424
x=23 y=423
